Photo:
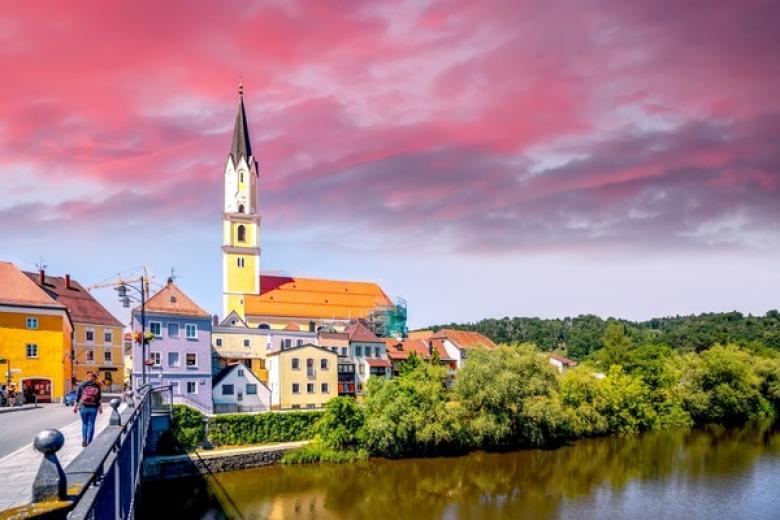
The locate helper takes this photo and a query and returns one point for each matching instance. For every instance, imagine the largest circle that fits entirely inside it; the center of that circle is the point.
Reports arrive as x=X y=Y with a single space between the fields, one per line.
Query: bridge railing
x=102 y=480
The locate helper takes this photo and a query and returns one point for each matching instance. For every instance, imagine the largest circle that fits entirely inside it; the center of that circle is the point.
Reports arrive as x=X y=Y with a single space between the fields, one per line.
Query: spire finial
x=241 y=86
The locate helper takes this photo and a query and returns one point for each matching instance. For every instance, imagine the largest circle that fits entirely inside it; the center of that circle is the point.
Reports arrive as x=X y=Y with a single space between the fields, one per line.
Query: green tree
x=341 y=424
x=617 y=347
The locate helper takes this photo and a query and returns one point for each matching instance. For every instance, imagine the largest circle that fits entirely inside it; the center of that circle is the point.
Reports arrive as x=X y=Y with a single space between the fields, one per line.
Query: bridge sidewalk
x=20 y=467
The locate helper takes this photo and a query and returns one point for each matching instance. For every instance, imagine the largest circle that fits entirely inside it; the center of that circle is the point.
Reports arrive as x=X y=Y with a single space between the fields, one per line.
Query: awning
x=380 y=363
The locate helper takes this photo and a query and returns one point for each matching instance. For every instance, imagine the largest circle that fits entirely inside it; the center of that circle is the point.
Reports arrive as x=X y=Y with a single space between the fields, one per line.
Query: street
x=18 y=429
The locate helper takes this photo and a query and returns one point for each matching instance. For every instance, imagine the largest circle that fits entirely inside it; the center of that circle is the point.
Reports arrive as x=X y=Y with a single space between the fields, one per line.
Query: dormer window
x=173 y=299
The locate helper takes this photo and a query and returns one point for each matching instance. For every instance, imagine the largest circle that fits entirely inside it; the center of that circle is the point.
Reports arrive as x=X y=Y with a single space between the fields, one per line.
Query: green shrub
x=340 y=424
x=316 y=452
x=188 y=429
x=237 y=430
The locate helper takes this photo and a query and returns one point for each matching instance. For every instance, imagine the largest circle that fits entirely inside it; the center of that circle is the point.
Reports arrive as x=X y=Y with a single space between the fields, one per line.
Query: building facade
x=36 y=339
x=302 y=377
x=369 y=354
x=233 y=342
x=97 y=341
x=180 y=353
x=236 y=389
x=458 y=343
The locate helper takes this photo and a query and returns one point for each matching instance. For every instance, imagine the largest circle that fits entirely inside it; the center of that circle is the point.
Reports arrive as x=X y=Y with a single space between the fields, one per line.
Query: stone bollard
x=129 y=399
x=49 y=483
x=115 y=419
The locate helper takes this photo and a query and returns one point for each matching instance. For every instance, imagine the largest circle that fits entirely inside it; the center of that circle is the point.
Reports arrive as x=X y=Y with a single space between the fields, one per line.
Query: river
x=712 y=472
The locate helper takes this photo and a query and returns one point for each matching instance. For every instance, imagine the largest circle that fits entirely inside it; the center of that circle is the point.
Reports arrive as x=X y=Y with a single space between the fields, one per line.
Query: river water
x=712 y=472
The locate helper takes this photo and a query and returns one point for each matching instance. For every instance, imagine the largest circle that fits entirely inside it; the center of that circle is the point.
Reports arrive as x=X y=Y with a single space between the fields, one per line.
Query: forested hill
x=583 y=334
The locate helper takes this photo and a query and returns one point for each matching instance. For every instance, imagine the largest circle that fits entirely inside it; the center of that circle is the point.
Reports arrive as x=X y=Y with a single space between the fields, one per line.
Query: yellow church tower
x=240 y=220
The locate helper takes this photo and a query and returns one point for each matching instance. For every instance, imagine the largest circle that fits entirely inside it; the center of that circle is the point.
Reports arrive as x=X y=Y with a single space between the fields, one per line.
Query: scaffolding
x=388 y=320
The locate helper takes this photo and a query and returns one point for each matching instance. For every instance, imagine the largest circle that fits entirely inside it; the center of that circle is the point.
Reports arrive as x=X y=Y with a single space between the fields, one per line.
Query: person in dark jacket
x=88 y=405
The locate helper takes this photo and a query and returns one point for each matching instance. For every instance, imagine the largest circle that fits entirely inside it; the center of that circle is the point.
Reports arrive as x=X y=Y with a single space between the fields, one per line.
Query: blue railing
x=102 y=480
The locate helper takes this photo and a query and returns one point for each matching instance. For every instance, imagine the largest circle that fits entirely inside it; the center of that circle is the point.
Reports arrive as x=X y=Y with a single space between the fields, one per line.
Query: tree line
x=583 y=335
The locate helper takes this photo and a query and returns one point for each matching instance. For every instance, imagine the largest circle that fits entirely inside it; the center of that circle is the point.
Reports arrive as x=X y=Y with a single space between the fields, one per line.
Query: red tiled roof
x=314 y=298
x=420 y=334
x=172 y=300
x=359 y=332
x=438 y=344
x=333 y=335
x=81 y=305
x=399 y=350
x=373 y=362
x=465 y=339
x=18 y=289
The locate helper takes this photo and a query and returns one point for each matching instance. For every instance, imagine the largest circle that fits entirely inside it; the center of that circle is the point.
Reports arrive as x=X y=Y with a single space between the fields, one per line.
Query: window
x=219 y=342
x=192 y=387
x=191 y=331
x=311 y=405
x=108 y=337
x=309 y=388
x=32 y=323
x=310 y=367
x=246 y=343
x=368 y=351
x=90 y=355
x=241 y=233
x=241 y=176
x=240 y=208
x=155 y=327
x=344 y=351
x=358 y=350
x=324 y=388
x=227 y=389
x=108 y=377
x=192 y=360
x=240 y=372
x=296 y=388
x=286 y=344
x=324 y=364
x=360 y=387
x=173 y=359
x=334 y=349
x=173 y=330
x=296 y=363
x=361 y=368
x=296 y=407
x=376 y=351
x=175 y=388
x=32 y=350
x=240 y=261
x=90 y=335
x=298 y=342
x=155 y=357
x=251 y=389
x=107 y=356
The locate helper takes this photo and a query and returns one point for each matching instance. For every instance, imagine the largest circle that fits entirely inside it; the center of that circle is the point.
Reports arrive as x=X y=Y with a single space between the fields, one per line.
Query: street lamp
x=125 y=297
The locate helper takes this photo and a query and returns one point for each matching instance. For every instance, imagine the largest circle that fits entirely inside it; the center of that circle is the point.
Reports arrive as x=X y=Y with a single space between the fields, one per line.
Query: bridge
x=102 y=481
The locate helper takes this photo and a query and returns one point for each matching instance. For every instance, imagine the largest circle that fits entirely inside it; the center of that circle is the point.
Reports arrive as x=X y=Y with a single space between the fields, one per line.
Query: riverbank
x=204 y=462
x=699 y=473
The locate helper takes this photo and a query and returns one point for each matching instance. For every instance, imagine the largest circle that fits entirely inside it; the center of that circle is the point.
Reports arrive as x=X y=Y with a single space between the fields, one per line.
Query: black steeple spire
x=241 y=146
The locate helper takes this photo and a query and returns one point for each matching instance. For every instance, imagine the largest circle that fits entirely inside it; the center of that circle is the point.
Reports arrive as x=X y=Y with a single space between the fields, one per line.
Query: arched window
x=240 y=208
x=241 y=233
x=241 y=176
x=264 y=326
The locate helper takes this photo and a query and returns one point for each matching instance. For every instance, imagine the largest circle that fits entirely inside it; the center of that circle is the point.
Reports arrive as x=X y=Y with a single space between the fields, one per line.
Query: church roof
x=172 y=300
x=241 y=147
x=296 y=297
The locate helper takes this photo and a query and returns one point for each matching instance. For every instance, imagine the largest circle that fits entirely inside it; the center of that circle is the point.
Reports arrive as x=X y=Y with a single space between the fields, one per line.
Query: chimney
x=215 y=320
x=67 y=282
x=41 y=277
x=430 y=347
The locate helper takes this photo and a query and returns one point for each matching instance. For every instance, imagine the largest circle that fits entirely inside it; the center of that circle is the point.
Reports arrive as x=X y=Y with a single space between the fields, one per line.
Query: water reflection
x=683 y=473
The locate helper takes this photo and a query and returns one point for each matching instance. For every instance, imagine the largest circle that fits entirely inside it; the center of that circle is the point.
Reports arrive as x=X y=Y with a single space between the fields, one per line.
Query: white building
x=237 y=389
x=458 y=343
x=369 y=353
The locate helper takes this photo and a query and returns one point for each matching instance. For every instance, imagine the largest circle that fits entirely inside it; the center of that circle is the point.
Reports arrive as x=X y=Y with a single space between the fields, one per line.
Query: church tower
x=240 y=220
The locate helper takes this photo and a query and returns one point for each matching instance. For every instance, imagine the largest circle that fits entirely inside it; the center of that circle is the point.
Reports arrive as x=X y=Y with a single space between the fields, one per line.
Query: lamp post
x=125 y=298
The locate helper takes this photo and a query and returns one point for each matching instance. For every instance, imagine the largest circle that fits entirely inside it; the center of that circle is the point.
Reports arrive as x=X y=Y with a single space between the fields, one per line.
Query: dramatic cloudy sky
x=478 y=158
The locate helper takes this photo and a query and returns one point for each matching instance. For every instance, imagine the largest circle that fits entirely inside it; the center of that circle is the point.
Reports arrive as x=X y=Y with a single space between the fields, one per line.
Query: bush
x=316 y=452
x=340 y=424
x=236 y=430
x=188 y=429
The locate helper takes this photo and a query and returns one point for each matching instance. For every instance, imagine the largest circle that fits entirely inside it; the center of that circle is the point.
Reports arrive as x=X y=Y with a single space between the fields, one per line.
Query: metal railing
x=190 y=400
x=102 y=480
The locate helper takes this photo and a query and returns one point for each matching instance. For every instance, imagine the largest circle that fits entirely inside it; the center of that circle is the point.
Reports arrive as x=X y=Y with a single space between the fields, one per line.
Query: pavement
x=19 y=462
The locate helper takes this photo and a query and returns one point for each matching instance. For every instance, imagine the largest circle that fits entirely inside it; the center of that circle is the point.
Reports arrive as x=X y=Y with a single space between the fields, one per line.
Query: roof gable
x=359 y=332
x=172 y=300
x=299 y=347
x=465 y=339
x=248 y=374
x=233 y=320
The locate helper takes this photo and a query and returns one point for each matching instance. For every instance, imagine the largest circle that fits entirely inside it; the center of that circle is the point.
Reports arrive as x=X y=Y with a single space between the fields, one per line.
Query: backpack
x=90 y=395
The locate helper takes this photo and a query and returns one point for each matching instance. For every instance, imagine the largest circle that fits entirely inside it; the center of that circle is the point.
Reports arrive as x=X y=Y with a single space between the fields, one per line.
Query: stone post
x=129 y=399
x=115 y=419
x=49 y=483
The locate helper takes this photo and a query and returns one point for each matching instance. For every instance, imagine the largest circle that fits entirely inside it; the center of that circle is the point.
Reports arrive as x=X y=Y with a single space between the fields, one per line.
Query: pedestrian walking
x=88 y=405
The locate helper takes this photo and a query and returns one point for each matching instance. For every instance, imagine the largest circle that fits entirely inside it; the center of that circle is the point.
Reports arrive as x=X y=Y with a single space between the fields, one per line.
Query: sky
x=480 y=159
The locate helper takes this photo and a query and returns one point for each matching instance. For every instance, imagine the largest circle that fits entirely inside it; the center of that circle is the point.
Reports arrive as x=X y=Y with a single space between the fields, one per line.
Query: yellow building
x=36 y=338
x=97 y=343
x=302 y=377
x=232 y=342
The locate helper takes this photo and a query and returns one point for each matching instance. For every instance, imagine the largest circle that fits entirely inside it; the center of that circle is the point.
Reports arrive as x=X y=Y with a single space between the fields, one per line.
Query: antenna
x=40 y=265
